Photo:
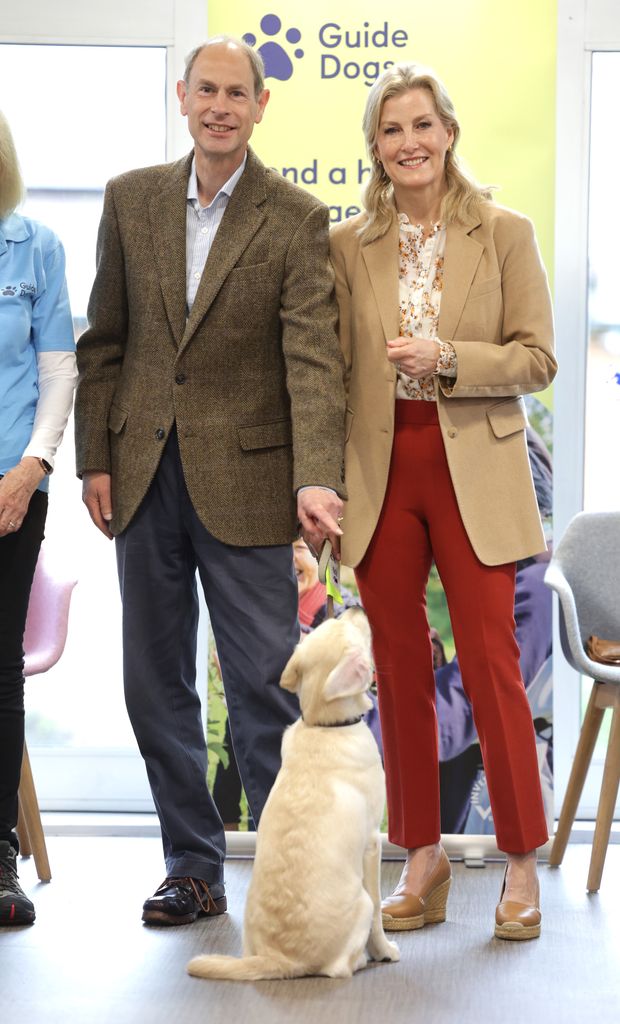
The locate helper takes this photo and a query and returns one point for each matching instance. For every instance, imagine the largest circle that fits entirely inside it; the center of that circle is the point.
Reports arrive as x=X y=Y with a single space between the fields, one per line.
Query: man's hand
x=97 y=496
x=16 y=489
x=417 y=357
x=319 y=511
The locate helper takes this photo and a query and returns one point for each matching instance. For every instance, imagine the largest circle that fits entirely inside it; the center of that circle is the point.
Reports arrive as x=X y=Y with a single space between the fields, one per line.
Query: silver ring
x=398 y=367
x=12 y=524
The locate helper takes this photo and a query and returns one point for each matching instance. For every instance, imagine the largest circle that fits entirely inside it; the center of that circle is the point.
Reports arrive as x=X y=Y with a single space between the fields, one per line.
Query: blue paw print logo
x=9 y=290
x=278 y=63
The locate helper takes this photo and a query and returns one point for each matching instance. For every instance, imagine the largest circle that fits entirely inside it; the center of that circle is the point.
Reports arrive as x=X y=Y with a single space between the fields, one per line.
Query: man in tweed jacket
x=209 y=420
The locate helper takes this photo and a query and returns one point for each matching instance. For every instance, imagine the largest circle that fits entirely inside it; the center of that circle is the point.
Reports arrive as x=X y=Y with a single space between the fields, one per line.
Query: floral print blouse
x=420 y=287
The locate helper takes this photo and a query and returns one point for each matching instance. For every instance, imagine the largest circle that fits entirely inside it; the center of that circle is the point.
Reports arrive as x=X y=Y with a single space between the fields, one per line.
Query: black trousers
x=18 y=558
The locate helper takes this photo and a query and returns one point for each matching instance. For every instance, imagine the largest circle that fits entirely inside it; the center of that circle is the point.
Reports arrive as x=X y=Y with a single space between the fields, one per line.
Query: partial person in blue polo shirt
x=37 y=380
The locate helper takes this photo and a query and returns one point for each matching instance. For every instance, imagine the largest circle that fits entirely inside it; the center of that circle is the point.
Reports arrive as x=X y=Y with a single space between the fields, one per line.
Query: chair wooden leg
x=32 y=817
x=606 y=804
x=25 y=847
x=583 y=755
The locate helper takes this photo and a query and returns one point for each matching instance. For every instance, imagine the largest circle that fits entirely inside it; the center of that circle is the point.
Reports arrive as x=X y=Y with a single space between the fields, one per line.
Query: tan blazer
x=253 y=378
x=496 y=311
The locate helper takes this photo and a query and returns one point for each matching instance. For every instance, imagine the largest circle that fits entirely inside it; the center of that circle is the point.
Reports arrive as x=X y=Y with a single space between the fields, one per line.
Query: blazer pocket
x=507 y=417
x=117 y=418
x=491 y=284
x=266 y=435
x=246 y=289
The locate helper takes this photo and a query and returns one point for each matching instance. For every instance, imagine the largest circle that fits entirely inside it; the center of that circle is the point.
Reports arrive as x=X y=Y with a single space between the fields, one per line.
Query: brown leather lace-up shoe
x=405 y=911
x=181 y=901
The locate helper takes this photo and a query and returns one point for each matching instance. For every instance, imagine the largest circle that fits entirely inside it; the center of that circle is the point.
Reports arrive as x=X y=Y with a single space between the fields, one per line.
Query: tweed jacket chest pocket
x=246 y=290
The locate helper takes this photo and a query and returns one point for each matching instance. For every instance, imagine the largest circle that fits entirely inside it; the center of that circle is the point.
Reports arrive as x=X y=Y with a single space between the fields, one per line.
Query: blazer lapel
x=242 y=219
x=381 y=259
x=461 y=261
x=168 y=215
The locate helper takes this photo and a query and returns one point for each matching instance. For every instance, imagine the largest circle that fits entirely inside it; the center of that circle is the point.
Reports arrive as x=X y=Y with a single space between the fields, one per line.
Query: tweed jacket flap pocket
x=266 y=435
x=117 y=418
x=507 y=417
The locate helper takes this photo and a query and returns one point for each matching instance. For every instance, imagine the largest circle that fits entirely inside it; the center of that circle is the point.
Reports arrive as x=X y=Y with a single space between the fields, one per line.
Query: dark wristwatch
x=45 y=466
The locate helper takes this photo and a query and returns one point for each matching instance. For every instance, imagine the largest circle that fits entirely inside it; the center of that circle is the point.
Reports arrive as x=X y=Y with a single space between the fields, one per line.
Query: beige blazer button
x=452 y=432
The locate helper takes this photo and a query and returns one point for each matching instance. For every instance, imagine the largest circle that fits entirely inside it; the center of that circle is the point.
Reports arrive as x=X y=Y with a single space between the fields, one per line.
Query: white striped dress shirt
x=202 y=225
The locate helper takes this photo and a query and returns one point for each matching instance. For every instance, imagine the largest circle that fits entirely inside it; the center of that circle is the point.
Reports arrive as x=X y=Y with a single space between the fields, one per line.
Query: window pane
x=76 y=122
x=602 y=487
x=81 y=114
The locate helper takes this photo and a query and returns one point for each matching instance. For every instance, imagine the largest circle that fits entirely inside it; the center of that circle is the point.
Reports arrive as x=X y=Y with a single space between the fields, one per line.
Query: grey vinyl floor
x=89 y=960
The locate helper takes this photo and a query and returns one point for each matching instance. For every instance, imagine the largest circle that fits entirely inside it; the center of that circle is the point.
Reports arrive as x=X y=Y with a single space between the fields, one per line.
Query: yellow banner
x=497 y=61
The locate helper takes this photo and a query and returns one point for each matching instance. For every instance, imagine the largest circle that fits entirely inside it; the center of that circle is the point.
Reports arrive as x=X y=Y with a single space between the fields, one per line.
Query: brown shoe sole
x=516 y=932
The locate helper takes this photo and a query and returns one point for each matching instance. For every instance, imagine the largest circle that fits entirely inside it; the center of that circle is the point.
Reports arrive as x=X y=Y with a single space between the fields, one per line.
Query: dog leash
x=329 y=575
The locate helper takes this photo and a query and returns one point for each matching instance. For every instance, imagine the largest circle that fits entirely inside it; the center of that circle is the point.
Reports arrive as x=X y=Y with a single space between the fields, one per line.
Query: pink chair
x=44 y=642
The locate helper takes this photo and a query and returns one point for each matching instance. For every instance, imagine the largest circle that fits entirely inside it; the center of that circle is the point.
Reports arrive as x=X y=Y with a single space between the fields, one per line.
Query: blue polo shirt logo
x=26 y=290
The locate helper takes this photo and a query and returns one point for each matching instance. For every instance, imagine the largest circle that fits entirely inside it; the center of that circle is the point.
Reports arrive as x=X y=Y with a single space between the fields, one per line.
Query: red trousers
x=419 y=522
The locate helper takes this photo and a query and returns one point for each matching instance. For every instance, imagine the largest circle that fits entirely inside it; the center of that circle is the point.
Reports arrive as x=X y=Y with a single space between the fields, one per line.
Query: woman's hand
x=417 y=357
x=16 y=489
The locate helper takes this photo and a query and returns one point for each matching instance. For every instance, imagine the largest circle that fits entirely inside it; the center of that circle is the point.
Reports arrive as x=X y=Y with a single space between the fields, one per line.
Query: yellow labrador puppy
x=313 y=904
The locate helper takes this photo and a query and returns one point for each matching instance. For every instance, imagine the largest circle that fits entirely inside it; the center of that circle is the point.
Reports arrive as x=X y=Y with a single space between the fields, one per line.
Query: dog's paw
x=389 y=954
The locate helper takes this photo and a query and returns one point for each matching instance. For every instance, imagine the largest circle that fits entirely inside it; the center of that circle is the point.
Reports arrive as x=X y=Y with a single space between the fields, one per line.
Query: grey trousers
x=251 y=594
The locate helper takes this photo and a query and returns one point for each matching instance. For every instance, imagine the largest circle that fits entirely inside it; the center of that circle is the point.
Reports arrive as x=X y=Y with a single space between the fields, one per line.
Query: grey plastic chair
x=585 y=573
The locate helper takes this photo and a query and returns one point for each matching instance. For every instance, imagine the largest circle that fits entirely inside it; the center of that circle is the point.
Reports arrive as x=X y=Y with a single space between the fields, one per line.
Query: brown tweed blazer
x=253 y=378
x=496 y=312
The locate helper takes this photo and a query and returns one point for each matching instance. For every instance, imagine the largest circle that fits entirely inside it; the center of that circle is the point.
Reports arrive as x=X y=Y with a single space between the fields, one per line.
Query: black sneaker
x=181 y=901
x=15 y=907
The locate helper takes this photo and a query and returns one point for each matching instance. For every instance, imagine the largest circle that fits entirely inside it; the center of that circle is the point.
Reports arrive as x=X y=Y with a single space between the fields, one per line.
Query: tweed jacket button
x=452 y=432
x=160 y=433
x=180 y=378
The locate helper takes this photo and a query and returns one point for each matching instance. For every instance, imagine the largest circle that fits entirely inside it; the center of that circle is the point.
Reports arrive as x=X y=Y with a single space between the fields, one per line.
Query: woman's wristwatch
x=45 y=466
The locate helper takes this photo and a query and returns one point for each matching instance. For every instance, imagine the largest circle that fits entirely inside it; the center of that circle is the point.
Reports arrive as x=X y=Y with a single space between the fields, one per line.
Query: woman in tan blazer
x=445 y=322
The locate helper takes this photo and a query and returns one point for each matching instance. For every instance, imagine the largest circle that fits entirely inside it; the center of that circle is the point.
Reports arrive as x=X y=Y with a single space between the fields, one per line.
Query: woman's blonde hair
x=11 y=184
x=464 y=195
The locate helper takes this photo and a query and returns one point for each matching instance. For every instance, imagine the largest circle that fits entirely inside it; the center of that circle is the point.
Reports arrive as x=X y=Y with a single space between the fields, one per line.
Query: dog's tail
x=247 y=968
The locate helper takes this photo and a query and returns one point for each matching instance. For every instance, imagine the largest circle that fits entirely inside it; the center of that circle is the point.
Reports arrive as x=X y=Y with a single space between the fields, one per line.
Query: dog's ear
x=291 y=677
x=350 y=676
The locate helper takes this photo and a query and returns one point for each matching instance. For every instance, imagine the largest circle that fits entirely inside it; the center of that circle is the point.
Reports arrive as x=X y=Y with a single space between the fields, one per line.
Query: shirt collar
x=13 y=229
x=227 y=188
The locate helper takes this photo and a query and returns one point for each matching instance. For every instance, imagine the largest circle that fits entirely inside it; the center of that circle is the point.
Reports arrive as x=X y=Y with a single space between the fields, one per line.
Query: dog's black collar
x=336 y=725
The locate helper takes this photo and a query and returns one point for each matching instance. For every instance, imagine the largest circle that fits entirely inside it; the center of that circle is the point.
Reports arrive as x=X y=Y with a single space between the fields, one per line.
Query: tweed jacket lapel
x=241 y=221
x=461 y=260
x=168 y=215
x=381 y=259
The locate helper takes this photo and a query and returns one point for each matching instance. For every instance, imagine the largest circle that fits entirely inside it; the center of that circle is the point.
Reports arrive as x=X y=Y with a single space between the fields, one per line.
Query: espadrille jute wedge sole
x=408 y=912
x=515 y=931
